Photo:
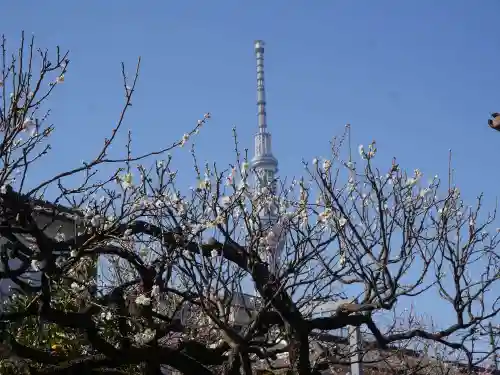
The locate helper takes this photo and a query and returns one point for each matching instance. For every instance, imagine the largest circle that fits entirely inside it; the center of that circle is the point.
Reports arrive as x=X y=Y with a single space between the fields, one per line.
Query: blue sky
x=419 y=77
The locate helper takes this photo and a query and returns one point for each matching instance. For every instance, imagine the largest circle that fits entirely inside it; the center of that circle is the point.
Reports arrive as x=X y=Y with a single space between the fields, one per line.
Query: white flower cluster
x=342 y=259
x=60 y=237
x=94 y=220
x=143 y=300
x=328 y=219
x=77 y=287
x=273 y=237
x=326 y=165
x=155 y=291
x=80 y=286
x=144 y=337
x=126 y=181
x=157 y=203
x=200 y=123
x=372 y=150
x=412 y=181
x=106 y=315
x=29 y=126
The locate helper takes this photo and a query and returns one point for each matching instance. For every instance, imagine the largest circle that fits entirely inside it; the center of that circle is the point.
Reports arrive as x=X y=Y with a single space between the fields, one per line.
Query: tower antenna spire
x=261 y=92
x=264 y=163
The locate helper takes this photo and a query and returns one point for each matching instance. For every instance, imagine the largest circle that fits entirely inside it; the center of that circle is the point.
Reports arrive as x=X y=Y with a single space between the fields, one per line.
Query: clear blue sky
x=419 y=77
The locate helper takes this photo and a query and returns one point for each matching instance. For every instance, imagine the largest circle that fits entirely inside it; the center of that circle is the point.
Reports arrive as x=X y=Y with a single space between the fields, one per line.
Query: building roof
x=50 y=217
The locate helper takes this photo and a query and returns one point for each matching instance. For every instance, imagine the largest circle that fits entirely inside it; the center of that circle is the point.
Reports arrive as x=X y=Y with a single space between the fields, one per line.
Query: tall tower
x=264 y=164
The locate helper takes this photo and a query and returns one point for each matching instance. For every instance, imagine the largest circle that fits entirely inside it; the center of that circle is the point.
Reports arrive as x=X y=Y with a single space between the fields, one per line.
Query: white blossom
x=29 y=126
x=342 y=221
x=144 y=337
x=126 y=181
x=3 y=189
x=204 y=184
x=184 y=139
x=372 y=150
x=361 y=151
x=155 y=291
x=60 y=237
x=342 y=259
x=325 y=215
x=327 y=164
x=214 y=253
x=77 y=287
x=143 y=300
x=160 y=203
x=244 y=168
x=96 y=221
x=106 y=315
x=181 y=207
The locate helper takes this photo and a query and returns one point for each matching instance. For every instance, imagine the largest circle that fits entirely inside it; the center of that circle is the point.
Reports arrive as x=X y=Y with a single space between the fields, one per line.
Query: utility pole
x=355 y=342
x=355 y=348
x=492 y=344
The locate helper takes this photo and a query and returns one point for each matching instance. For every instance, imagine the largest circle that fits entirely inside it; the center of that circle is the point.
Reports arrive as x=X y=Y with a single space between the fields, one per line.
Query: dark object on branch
x=494 y=122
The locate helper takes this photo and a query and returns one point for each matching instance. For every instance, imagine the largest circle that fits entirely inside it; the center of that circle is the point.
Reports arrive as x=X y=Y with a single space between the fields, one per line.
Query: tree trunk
x=233 y=365
x=298 y=354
